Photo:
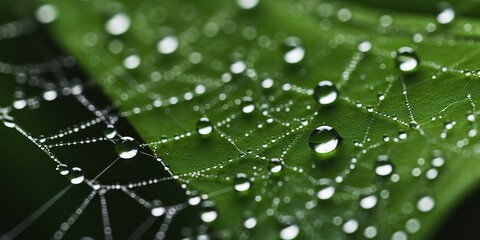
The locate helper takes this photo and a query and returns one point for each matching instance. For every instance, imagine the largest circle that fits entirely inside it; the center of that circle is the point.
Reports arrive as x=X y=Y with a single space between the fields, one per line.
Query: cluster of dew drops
x=323 y=140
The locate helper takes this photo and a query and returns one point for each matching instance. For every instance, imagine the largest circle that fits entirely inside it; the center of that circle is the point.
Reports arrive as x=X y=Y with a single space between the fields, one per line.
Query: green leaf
x=163 y=98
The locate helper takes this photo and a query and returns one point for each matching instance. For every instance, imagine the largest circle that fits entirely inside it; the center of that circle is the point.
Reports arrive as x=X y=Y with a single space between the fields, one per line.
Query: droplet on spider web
x=364 y=46
x=76 y=175
x=157 y=208
x=194 y=199
x=241 y=182
x=209 y=212
x=446 y=13
x=324 y=139
x=118 y=24
x=406 y=60
x=350 y=226
x=126 y=147
x=425 y=204
x=247 y=105
x=46 y=13
x=290 y=229
x=326 y=189
x=167 y=45
x=247 y=4
x=204 y=126
x=275 y=165
x=110 y=132
x=294 y=51
x=325 y=92
x=383 y=166
x=250 y=223
x=9 y=121
x=62 y=169
x=368 y=201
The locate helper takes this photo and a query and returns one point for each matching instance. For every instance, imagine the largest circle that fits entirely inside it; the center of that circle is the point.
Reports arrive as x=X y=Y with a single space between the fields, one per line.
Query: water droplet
x=275 y=165
x=294 y=51
x=402 y=135
x=76 y=175
x=370 y=232
x=63 y=169
x=425 y=204
x=368 y=202
x=46 y=13
x=247 y=4
x=167 y=45
x=325 y=92
x=241 y=182
x=446 y=14
x=399 y=235
x=204 y=126
x=438 y=161
x=118 y=24
x=250 y=223
x=157 y=208
x=383 y=166
x=110 y=132
x=208 y=213
x=126 y=147
x=406 y=60
x=364 y=46
x=290 y=230
x=9 y=121
x=267 y=83
x=248 y=106
x=412 y=225
x=350 y=226
x=324 y=139
x=131 y=62
x=194 y=199
x=326 y=189
x=238 y=67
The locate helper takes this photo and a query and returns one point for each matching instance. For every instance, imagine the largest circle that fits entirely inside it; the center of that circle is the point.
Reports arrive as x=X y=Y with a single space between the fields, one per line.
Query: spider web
x=391 y=117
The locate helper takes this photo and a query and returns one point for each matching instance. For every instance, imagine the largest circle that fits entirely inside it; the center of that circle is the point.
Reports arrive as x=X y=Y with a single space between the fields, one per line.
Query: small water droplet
x=247 y=4
x=247 y=105
x=241 y=182
x=325 y=92
x=63 y=169
x=383 y=166
x=238 y=67
x=118 y=24
x=294 y=51
x=350 y=226
x=110 y=132
x=407 y=60
x=157 y=208
x=368 y=202
x=425 y=204
x=402 y=135
x=446 y=13
x=46 y=13
x=275 y=165
x=290 y=230
x=324 y=139
x=194 y=199
x=370 y=232
x=76 y=175
x=364 y=46
x=9 y=121
x=326 y=189
x=126 y=147
x=167 y=45
x=204 y=126
x=209 y=212
x=250 y=223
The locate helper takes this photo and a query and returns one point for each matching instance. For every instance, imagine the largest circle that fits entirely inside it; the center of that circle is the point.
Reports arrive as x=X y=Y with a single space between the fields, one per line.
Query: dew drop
x=325 y=92
x=46 y=13
x=238 y=67
x=131 y=62
x=247 y=105
x=407 y=60
x=294 y=51
x=290 y=230
x=63 y=169
x=364 y=46
x=250 y=223
x=247 y=4
x=126 y=147
x=383 y=166
x=118 y=24
x=208 y=213
x=275 y=165
x=76 y=175
x=370 y=232
x=446 y=14
x=110 y=132
x=326 y=189
x=9 y=121
x=402 y=135
x=241 y=182
x=350 y=226
x=167 y=45
x=194 y=199
x=204 y=126
x=425 y=204
x=157 y=208
x=368 y=202
x=324 y=139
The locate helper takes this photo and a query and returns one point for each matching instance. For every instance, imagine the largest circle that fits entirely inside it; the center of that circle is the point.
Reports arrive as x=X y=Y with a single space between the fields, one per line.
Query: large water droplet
x=204 y=126
x=290 y=230
x=383 y=166
x=326 y=189
x=241 y=182
x=167 y=45
x=446 y=14
x=118 y=24
x=157 y=208
x=208 y=213
x=248 y=106
x=126 y=147
x=76 y=175
x=407 y=60
x=110 y=132
x=275 y=165
x=325 y=92
x=294 y=51
x=324 y=139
